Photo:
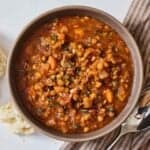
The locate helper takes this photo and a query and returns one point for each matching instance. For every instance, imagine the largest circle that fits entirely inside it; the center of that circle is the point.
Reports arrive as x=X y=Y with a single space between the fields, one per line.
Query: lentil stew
x=75 y=74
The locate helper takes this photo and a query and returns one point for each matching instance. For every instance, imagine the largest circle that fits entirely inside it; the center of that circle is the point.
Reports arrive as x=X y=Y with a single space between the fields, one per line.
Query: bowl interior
x=81 y=11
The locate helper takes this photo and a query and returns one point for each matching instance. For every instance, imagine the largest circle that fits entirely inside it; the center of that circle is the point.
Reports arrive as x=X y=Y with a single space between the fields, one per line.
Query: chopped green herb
x=50 y=87
x=76 y=126
x=70 y=79
x=55 y=103
x=54 y=37
x=72 y=64
x=77 y=70
x=50 y=106
x=49 y=99
x=65 y=46
x=67 y=83
x=110 y=108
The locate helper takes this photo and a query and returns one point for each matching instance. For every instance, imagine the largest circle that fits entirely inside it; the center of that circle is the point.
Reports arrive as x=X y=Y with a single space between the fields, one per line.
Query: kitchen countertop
x=14 y=15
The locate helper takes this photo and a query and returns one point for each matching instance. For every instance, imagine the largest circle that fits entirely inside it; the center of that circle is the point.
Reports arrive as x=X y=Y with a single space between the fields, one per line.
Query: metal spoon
x=138 y=121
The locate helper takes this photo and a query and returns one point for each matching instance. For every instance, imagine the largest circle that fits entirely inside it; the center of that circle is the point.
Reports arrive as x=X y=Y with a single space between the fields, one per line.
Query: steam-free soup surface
x=74 y=74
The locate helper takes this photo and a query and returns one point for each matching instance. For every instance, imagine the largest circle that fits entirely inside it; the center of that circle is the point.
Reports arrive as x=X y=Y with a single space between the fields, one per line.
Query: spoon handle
x=125 y=128
x=145 y=123
x=115 y=141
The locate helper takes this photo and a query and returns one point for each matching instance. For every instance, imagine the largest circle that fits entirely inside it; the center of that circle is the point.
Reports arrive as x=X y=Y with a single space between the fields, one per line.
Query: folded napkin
x=137 y=21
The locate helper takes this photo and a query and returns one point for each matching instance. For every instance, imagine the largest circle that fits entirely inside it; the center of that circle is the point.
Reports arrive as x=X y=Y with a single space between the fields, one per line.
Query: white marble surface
x=14 y=15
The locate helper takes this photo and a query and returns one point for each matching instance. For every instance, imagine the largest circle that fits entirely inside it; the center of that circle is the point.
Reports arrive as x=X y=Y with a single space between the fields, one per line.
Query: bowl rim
x=136 y=87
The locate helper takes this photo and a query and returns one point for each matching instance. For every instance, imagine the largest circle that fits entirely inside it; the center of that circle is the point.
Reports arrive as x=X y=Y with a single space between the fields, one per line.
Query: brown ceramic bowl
x=137 y=80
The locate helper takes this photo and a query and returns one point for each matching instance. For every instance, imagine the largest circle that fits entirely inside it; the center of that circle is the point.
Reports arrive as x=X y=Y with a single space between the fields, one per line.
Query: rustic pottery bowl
x=137 y=63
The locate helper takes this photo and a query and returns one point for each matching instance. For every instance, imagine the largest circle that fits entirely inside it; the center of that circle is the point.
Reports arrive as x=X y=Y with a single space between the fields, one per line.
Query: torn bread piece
x=2 y=62
x=14 y=120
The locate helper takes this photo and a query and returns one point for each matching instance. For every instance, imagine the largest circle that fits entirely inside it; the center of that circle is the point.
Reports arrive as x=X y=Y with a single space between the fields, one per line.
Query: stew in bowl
x=74 y=74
